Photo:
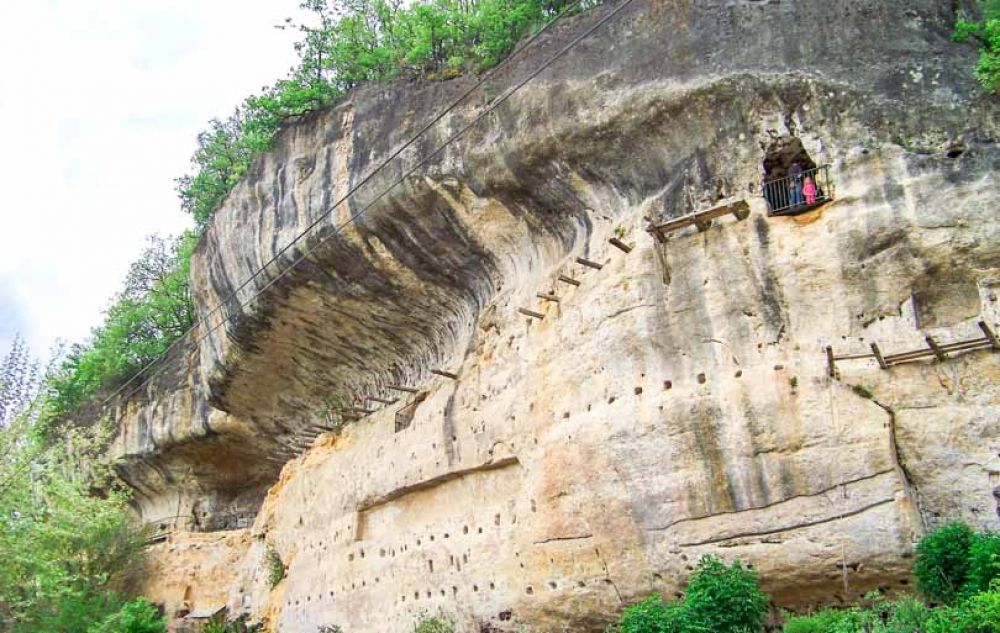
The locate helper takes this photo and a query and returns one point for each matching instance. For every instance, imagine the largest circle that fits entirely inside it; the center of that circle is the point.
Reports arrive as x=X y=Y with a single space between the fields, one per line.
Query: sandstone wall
x=588 y=458
x=191 y=572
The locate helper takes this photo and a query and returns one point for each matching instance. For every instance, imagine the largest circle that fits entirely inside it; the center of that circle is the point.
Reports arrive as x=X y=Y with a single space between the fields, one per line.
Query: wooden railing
x=934 y=349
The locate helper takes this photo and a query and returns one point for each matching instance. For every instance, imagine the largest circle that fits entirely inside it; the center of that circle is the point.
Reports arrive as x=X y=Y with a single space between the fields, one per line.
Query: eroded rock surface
x=674 y=403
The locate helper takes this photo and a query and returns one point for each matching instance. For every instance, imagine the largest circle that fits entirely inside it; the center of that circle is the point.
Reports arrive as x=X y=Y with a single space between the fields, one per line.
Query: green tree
x=349 y=43
x=67 y=554
x=986 y=35
x=152 y=310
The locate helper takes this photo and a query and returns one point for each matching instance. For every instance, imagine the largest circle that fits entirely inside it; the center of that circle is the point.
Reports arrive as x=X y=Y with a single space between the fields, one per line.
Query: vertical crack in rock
x=909 y=488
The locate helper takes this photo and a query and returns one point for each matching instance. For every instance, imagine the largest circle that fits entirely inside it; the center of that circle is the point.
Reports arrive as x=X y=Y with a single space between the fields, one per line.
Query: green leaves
x=955 y=566
x=725 y=599
x=942 y=564
x=351 y=43
x=953 y=562
x=986 y=35
x=719 y=598
x=138 y=616
x=153 y=309
x=66 y=553
x=652 y=615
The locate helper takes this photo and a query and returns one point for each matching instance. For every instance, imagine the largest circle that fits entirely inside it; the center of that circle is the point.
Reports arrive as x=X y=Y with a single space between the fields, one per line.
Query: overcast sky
x=100 y=103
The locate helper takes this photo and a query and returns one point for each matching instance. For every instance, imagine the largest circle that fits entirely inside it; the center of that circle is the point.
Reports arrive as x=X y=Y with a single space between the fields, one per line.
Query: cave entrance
x=793 y=182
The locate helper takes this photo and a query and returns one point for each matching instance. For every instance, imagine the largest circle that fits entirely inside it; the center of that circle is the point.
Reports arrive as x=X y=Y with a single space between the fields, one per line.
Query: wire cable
x=337 y=230
x=395 y=154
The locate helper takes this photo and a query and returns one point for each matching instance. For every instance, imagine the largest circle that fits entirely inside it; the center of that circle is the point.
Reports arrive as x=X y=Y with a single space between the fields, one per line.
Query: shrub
x=942 y=564
x=652 y=615
x=275 y=567
x=719 y=598
x=979 y=614
x=138 y=616
x=983 y=563
x=435 y=624
x=825 y=621
x=724 y=599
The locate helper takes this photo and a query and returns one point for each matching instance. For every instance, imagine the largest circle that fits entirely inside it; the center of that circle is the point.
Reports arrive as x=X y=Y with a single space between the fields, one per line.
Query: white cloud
x=101 y=101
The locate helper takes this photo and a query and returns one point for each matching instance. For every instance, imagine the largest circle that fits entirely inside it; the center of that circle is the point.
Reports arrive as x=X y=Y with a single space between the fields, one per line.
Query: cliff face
x=676 y=402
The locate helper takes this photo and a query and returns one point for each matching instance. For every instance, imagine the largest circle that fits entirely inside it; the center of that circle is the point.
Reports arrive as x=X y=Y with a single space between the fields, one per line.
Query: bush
x=436 y=624
x=906 y=615
x=275 y=567
x=724 y=599
x=979 y=613
x=138 y=616
x=983 y=563
x=719 y=598
x=825 y=621
x=942 y=564
x=652 y=615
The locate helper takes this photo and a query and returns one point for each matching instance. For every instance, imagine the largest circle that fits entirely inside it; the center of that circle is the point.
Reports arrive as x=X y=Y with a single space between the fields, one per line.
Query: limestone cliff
x=674 y=402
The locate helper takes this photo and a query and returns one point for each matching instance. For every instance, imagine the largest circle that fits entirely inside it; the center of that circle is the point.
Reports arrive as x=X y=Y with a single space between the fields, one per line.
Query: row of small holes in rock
x=454 y=591
x=431 y=538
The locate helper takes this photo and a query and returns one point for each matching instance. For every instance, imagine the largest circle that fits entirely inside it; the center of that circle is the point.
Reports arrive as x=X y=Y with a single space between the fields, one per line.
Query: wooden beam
x=852 y=356
x=702 y=219
x=568 y=280
x=531 y=313
x=620 y=245
x=990 y=336
x=935 y=348
x=903 y=357
x=402 y=388
x=967 y=345
x=831 y=369
x=550 y=297
x=589 y=264
x=878 y=356
x=361 y=410
x=383 y=400
x=446 y=374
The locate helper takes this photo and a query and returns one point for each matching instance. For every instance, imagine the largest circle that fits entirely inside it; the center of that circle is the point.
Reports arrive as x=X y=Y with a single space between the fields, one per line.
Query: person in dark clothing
x=795 y=184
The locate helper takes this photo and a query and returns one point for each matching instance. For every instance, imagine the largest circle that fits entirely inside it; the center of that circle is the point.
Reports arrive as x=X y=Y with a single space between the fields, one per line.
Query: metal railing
x=795 y=194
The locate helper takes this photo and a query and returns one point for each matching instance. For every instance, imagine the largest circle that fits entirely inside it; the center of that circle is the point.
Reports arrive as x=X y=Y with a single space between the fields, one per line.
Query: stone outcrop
x=676 y=402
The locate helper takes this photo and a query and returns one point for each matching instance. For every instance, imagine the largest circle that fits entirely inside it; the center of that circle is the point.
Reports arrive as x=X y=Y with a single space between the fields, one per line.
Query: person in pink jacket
x=809 y=191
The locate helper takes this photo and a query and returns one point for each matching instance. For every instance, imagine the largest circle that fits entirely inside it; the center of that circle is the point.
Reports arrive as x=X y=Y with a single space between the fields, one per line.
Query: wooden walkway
x=934 y=350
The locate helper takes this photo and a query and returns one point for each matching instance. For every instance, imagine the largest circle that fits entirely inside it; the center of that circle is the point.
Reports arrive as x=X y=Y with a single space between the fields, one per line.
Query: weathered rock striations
x=582 y=460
